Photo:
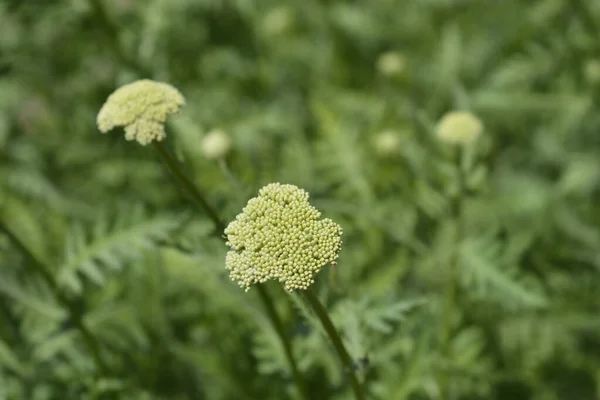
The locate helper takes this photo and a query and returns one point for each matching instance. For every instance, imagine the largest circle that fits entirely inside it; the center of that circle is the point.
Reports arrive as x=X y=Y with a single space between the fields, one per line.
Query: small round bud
x=141 y=108
x=280 y=236
x=216 y=144
x=387 y=143
x=459 y=127
x=591 y=71
x=277 y=21
x=391 y=63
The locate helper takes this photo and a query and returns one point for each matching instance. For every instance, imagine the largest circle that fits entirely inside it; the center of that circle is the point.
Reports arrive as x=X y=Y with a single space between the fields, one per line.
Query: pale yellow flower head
x=387 y=143
x=279 y=235
x=216 y=144
x=459 y=127
x=141 y=108
x=591 y=71
x=391 y=63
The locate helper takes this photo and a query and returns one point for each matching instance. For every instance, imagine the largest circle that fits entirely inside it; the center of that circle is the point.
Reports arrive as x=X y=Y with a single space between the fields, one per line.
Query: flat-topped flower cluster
x=141 y=108
x=279 y=235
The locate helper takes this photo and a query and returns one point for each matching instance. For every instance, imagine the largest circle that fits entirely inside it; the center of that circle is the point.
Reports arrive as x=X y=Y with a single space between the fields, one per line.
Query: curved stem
x=200 y=201
x=335 y=338
x=287 y=345
x=74 y=314
x=188 y=185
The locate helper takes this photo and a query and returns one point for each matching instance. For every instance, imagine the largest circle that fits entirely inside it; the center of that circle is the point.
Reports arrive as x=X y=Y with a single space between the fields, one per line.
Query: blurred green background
x=341 y=98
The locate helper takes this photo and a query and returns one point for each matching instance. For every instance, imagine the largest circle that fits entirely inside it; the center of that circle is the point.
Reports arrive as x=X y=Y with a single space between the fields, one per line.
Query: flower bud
x=391 y=64
x=216 y=144
x=591 y=71
x=387 y=143
x=459 y=127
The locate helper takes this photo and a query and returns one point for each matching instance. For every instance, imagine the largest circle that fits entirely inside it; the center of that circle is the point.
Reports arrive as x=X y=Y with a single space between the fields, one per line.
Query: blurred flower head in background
x=216 y=144
x=391 y=63
x=279 y=236
x=387 y=143
x=459 y=127
x=277 y=21
x=142 y=108
x=591 y=71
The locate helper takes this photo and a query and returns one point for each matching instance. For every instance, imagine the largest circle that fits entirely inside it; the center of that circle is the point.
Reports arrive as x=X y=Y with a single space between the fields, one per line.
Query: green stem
x=188 y=185
x=74 y=314
x=287 y=345
x=452 y=283
x=199 y=199
x=335 y=338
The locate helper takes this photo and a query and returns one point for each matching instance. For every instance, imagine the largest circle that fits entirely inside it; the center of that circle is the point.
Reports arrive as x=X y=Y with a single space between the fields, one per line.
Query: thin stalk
x=200 y=201
x=185 y=182
x=336 y=340
x=287 y=345
x=452 y=281
x=47 y=276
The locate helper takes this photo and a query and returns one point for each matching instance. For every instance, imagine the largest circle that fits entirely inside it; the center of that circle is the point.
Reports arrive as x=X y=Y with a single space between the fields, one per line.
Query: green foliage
x=464 y=274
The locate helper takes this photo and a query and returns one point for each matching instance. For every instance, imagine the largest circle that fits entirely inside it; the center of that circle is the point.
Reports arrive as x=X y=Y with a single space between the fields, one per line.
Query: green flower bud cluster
x=279 y=236
x=142 y=108
x=459 y=127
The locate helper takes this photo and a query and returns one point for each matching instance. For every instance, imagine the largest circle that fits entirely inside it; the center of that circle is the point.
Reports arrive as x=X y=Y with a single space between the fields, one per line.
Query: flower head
x=391 y=63
x=591 y=71
x=459 y=127
x=142 y=108
x=216 y=144
x=279 y=236
x=387 y=143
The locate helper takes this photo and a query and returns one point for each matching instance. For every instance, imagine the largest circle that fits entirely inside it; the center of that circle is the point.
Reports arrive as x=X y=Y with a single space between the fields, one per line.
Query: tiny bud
x=459 y=127
x=387 y=143
x=391 y=63
x=591 y=71
x=277 y=21
x=216 y=144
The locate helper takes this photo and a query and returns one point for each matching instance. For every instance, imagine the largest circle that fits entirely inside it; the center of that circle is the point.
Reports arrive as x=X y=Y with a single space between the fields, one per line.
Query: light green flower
x=387 y=143
x=391 y=63
x=216 y=144
x=141 y=108
x=459 y=127
x=279 y=236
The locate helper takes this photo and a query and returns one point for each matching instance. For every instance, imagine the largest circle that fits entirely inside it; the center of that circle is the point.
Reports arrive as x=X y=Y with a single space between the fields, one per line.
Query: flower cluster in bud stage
x=280 y=236
x=141 y=108
x=459 y=127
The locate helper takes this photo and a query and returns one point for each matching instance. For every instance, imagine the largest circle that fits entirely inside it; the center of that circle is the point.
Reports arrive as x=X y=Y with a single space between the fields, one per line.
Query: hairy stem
x=71 y=308
x=336 y=340
x=200 y=201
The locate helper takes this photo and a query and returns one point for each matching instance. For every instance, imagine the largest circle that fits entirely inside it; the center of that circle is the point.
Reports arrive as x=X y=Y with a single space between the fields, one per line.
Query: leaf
x=110 y=247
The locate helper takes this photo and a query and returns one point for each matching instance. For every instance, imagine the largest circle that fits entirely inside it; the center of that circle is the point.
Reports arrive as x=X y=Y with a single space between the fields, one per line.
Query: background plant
x=342 y=99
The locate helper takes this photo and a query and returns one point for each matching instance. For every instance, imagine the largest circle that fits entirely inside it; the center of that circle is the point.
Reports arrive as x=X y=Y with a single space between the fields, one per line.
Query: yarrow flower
x=141 y=108
x=279 y=236
x=459 y=127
